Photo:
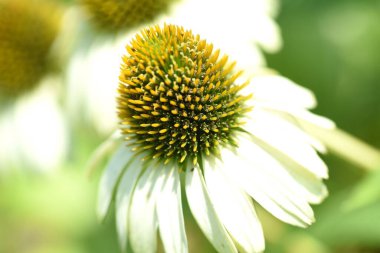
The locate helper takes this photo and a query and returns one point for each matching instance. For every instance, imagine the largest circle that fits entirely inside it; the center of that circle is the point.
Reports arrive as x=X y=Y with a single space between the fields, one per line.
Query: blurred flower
x=116 y=15
x=184 y=110
x=27 y=32
x=32 y=131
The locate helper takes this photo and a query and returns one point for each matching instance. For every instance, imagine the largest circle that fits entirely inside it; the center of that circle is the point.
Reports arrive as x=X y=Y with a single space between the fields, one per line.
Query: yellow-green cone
x=28 y=29
x=178 y=100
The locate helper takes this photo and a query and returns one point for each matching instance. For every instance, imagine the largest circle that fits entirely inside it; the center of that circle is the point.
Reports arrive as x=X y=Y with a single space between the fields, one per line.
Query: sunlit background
x=331 y=47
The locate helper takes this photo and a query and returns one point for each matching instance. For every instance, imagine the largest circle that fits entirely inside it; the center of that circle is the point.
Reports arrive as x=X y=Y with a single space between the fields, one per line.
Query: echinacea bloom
x=184 y=110
x=32 y=128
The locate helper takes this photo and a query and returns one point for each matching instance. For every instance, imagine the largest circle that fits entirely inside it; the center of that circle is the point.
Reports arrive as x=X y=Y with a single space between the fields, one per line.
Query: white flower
x=182 y=109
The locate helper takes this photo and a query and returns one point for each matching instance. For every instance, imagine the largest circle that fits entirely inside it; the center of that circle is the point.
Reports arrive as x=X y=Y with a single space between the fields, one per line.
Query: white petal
x=234 y=209
x=142 y=218
x=268 y=35
x=123 y=199
x=280 y=91
x=285 y=138
x=295 y=114
x=204 y=213
x=39 y=127
x=295 y=176
x=288 y=123
x=313 y=119
x=252 y=168
x=170 y=215
x=110 y=177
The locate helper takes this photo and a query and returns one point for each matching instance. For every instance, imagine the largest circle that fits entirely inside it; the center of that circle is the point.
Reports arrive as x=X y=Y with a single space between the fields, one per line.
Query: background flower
x=32 y=128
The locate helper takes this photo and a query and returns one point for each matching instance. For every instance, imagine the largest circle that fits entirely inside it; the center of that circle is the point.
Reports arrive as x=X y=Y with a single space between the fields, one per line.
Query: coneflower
x=185 y=110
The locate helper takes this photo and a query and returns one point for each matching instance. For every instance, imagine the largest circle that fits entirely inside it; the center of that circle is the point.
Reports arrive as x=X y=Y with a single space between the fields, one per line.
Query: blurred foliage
x=331 y=47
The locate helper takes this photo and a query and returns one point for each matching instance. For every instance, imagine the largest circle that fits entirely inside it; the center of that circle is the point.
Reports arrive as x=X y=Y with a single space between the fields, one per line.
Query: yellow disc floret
x=116 y=15
x=178 y=99
x=27 y=31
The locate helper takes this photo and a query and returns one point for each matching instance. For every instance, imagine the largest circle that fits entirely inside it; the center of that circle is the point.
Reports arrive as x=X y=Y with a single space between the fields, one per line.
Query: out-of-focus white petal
x=251 y=169
x=123 y=199
x=285 y=138
x=142 y=218
x=248 y=22
x=109 y=178
x=169 y=213
x=275 y=90
x=204 y=212
x=38 y=127
x=92 y=81
x=268 y=35
x=234 y=209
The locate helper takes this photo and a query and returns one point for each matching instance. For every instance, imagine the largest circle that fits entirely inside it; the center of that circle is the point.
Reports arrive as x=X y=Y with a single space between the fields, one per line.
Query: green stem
x=346 y=146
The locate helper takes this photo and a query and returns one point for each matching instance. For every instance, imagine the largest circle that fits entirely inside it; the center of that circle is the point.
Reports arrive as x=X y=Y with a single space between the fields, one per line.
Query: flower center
x=178 y=100
x=124 y=14
x=27 y=31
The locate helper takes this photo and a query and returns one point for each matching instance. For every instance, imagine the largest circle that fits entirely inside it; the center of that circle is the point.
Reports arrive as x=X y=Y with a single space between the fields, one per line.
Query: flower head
x=27 y=32
x=178 y=99
x=114 y=15
x=184 y=111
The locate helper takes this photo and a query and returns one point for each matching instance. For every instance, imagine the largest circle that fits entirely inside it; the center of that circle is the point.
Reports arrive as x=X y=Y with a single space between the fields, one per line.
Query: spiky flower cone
x=27 y=32
x=178 y=99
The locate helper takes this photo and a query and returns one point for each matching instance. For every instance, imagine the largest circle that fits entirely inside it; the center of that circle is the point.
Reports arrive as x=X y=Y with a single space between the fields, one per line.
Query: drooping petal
x=142 y=219
x=110 y=177
x=204 y=212
x=287 y=139
x=252 y=169
x=279 y=91
x=123 y=199
x=235 y=209
x=295 y=114
x=170 y=215
x=306 y=183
